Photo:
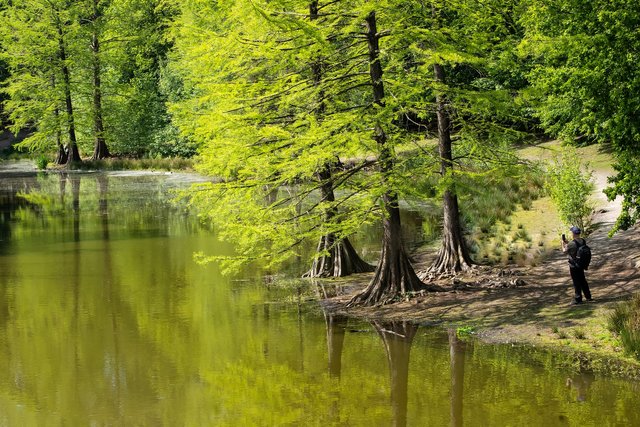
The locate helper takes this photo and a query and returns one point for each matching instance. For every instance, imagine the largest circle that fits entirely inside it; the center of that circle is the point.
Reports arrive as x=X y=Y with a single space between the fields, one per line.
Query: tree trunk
x=337 y=257
x=453 y=255
x=100 y=150
x=73 y=155
x=394 y=274
x=61 y=157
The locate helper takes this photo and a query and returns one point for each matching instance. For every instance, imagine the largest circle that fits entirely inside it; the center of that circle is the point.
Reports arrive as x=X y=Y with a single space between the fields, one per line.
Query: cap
x=575 y=230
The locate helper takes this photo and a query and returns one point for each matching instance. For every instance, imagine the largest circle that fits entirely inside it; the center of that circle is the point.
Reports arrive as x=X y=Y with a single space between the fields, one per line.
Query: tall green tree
x=394 y=275
x=274 y=125
x=38 y=41
x=95 y=22
x=464 y=50
x=335 y=256
x=586 y=78
x=271 y=122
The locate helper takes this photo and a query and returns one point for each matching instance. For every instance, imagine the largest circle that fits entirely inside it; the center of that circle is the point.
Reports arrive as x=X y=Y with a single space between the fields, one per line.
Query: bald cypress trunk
x=394 y=274
x=453 y=255
x=337 y=257
x=73 y=155
x=100 y=149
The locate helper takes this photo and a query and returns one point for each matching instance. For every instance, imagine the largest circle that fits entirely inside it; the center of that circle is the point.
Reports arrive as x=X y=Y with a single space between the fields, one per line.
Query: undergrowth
x=123 y=163
x=625 y=321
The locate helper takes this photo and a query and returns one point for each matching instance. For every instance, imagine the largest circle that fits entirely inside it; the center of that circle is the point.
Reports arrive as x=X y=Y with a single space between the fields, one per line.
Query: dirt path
x=537 y=308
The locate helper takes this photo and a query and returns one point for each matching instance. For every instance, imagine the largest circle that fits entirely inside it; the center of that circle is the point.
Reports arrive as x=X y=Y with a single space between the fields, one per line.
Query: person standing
x=580 y=284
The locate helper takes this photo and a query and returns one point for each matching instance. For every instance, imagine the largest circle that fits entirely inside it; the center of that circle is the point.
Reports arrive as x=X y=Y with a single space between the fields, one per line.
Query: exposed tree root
x=453 y=255
x=393 y=278
x=339 y=259
x=61 y=157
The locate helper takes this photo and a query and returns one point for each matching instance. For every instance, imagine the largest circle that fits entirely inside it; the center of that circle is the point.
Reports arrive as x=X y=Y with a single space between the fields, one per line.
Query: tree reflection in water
x=457 y=350
x=397 y=338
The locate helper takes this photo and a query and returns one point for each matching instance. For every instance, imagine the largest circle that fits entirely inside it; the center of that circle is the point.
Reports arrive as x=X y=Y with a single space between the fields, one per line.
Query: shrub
x=625 y=321
x=41 y=162
x=570 y=183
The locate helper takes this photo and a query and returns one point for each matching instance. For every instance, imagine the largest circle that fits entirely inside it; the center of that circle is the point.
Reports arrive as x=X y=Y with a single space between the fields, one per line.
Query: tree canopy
x=584 y=74
x=316 y=118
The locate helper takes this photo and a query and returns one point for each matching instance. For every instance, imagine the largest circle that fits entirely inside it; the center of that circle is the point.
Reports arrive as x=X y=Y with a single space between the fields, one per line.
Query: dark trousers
x=580 y=284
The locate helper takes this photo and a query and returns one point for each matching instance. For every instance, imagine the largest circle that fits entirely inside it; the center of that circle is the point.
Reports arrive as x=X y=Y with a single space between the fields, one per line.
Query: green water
x=106 y=320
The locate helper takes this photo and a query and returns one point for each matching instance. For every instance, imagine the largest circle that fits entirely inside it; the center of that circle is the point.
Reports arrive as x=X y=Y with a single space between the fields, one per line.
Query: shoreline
x=529 y=306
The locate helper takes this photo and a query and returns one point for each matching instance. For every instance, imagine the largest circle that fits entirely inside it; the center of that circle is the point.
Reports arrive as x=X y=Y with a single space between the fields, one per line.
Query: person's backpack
x=583 y=255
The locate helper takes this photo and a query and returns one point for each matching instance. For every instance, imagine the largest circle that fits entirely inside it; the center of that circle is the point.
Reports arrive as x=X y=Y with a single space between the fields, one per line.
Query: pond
x=105 y=319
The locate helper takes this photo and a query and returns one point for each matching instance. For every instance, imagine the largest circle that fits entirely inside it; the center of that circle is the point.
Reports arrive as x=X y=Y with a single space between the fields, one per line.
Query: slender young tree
x=73 y=154
x=452 y=55
x=100 y=149
x=453 y=254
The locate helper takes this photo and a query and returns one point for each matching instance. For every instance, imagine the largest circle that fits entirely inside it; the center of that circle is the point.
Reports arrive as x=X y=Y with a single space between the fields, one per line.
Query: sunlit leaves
x=585 y=74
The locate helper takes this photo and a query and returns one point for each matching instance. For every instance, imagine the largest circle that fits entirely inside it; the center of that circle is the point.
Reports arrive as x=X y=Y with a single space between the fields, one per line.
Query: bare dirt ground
x=532 y=305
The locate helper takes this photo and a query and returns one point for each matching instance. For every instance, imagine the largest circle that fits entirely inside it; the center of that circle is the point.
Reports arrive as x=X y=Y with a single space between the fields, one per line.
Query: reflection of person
x=580 y=284
x=581 y=383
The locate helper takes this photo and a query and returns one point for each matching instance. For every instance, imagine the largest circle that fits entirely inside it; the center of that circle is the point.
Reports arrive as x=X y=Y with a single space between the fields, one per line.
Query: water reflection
x=397 y=338
x=579 y=385
x=336 y=327
x=457 y=350
x=102 y=182
x=106 y=320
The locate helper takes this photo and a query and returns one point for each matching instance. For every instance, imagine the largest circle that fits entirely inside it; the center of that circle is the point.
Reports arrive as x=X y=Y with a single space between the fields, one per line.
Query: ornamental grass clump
x=625 y=321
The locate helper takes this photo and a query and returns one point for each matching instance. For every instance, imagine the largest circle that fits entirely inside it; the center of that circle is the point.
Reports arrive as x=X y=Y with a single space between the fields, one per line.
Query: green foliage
x=570 y=184
x=465 y=331
x=273 y=96
x=585 y=77
x=626 y=183
x=132 y=53
x=42 y=161
x=625 y=321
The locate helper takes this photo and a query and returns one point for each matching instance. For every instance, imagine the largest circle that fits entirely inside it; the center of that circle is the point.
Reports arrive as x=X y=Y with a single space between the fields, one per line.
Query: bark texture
x=100 y=149
x=339 y=258
x=394 y=275
x=453 y=255
x=73 y=155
